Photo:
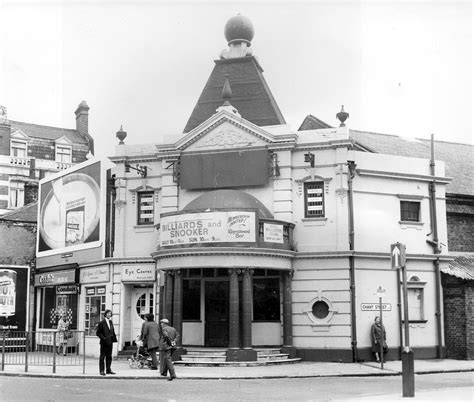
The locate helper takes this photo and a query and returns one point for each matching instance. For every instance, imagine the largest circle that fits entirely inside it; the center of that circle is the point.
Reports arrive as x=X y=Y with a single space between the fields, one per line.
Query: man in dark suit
x=106 y=333
x=151 y=338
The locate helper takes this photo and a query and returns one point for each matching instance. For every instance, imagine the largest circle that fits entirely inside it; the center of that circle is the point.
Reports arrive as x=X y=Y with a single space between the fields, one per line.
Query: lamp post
x=381 y=295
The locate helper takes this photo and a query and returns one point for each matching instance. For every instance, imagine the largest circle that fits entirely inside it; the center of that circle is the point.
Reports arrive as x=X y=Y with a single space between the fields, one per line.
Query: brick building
x=29 y=152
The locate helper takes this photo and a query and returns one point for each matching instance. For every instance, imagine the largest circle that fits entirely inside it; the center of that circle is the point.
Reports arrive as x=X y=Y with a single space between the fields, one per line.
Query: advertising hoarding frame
x=27 y=296
x=66 y=254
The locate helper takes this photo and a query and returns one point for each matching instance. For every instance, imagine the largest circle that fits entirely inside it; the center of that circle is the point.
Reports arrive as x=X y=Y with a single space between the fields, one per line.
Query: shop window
x=145 y=208
x=64 y=153
x=410 y=211
x=18 y=148
x=191 y=299
x=415 y=292
x=94 y=309
x=314 y=199
x=57 y=301
x=266 y=299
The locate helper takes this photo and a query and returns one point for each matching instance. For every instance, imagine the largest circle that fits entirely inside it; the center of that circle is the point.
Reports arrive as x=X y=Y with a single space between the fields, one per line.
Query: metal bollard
x=408 y=372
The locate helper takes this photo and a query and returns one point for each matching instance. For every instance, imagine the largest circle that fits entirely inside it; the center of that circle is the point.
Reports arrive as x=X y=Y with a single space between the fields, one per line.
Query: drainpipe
x=436 y=249
x=352 y=165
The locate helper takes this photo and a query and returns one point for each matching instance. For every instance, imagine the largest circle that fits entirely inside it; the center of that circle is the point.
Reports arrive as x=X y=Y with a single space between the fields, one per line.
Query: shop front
x=57 y=295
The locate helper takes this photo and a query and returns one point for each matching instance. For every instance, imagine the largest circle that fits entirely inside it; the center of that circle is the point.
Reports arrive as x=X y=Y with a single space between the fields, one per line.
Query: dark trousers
x=154 y=359
x=166 y=364
x=105 y=354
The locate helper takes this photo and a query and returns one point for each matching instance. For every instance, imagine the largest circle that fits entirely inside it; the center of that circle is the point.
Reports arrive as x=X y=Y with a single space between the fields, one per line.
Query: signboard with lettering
x=272 y=233
x=94 y=275
x=208 y=227
x=138 y=273
x=375 y=307
x=66 y=290
x=55 y=278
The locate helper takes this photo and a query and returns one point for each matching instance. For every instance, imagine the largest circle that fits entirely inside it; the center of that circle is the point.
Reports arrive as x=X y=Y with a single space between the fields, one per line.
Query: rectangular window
x=95 y=308
x=191 y=299
x=415 y=304
x=63 y=154
x=266 y=299
x=314 y=199
x=409 y=211
x=145 y=208
x=18 y=148
x=17 y=197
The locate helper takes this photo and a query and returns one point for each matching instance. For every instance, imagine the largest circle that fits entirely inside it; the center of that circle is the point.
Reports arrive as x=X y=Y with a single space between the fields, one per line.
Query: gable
x=19 y=135
x=228 y=136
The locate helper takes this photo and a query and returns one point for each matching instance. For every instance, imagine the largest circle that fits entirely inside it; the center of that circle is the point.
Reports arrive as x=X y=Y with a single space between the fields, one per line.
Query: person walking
x=151 y=338
x=106 y=333
x=61 y=338
x=378 y=337
x=168 y=336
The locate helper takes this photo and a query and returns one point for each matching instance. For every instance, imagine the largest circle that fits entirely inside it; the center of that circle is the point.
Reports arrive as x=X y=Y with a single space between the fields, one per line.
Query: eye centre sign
x=208 y=227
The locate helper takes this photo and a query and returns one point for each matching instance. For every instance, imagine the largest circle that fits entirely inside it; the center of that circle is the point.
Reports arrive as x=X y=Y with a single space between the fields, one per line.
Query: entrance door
x=217 y=313
x=142 y=304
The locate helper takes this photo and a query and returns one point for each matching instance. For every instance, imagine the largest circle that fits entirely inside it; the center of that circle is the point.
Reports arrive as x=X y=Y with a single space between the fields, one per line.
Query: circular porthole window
x=320 y=310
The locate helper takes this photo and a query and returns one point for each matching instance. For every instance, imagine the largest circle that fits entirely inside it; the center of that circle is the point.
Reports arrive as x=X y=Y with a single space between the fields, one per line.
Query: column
x=168 y=295
x=178 y=305
x=287 y=316
x=247 y=295
x=233 y=308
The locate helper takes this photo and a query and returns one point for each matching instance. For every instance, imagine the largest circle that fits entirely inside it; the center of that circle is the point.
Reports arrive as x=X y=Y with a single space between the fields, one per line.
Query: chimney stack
x=5 y=129
x=82 y=118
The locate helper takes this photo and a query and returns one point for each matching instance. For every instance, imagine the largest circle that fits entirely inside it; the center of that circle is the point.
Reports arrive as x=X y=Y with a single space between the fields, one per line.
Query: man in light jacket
x=168 y=334
x=151 y=338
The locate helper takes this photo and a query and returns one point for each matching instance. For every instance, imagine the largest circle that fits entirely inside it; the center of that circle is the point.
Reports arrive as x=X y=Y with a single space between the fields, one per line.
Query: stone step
x=273 y=356
x=235 y=364
x=203 y=358
x=260 y=351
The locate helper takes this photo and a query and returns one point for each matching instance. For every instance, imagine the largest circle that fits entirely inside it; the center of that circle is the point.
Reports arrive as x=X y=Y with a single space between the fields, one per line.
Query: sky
x=398 y=67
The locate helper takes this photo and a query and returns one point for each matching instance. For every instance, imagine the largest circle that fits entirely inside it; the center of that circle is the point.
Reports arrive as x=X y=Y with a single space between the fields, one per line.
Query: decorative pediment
x=19 y=135
x=63 y=141
x=225 y=131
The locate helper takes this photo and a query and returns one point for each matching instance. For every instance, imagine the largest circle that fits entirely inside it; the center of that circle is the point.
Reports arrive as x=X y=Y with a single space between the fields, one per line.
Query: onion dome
x=239 y=29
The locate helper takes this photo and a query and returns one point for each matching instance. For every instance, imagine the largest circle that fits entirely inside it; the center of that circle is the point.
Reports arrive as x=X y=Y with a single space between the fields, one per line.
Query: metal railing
x=43 y=348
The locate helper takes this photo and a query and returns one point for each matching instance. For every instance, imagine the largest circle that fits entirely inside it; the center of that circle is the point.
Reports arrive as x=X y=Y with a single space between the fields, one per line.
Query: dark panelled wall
x=224 y=170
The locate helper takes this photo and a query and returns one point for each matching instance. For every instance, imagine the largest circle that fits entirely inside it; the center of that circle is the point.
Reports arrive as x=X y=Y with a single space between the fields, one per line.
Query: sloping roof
x=27 y=213
x=461 y=267
x=312 y=123
x=251 y=95
x=459 y=158
x=47 y=132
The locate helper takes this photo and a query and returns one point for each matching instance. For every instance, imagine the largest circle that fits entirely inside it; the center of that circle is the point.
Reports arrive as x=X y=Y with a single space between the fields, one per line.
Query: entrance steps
x=202 y=357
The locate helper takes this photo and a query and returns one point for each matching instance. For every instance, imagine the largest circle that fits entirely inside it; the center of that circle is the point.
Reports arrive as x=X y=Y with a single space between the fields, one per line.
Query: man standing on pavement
x=168 y=336
x=151 y=338
x=106 y=333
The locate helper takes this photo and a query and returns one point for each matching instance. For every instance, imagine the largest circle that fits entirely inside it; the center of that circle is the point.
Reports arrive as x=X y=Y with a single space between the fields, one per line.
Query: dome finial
x=239 y=34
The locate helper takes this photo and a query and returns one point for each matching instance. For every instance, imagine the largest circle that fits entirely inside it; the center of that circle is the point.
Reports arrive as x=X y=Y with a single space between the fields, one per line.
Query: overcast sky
x=401 y=68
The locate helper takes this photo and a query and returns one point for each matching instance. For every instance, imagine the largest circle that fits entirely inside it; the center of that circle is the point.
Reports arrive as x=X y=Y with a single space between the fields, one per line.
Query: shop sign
x=376 y=307
x=138 y=273
x=101 y=291
x=272 y=233
x=208 y=227
x=90 y=292
x=55 y=278
x=66 y=290
x=94 y=275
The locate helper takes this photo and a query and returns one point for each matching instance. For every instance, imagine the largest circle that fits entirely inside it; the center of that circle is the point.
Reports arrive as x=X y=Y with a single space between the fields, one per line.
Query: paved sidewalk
x=301 y=369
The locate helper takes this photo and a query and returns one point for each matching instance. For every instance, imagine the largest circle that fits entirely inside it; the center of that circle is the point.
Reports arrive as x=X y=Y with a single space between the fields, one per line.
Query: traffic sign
x=398 y=255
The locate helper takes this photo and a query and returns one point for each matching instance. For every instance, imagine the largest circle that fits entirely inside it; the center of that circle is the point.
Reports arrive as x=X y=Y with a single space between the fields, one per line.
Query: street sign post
x=398 y=257
x=381 y=295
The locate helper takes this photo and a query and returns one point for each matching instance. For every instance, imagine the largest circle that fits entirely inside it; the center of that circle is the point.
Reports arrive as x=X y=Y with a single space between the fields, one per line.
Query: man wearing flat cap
x=168 y=337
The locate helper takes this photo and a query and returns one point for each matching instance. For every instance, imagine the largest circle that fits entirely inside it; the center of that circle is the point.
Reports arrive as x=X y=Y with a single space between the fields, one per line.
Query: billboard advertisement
x=71 y=212
x=13 y=298
x=208 y=227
